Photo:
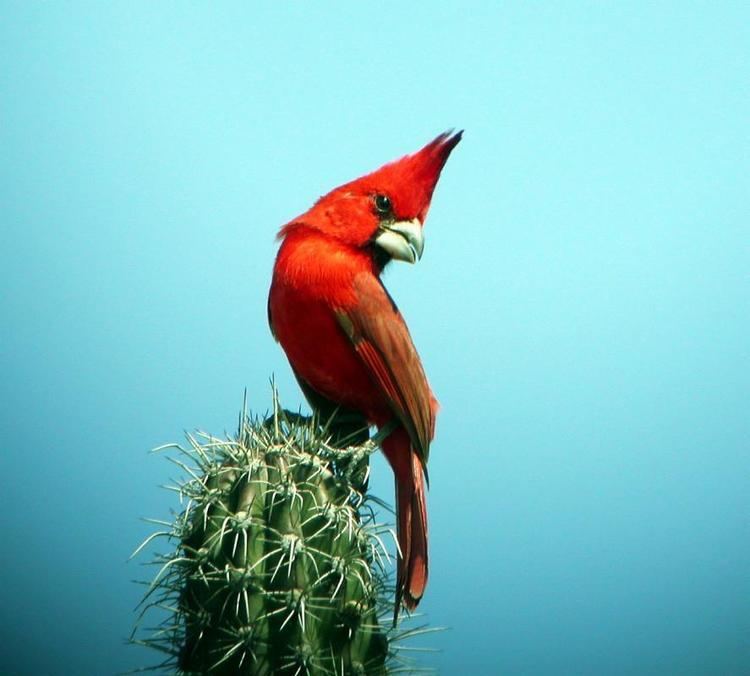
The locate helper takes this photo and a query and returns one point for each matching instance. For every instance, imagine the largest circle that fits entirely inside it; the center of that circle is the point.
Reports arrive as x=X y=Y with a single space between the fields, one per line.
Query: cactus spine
x=279 y=566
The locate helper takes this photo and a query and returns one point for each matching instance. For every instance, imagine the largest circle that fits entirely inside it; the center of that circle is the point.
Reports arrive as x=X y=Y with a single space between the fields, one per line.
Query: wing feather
x=382 y=340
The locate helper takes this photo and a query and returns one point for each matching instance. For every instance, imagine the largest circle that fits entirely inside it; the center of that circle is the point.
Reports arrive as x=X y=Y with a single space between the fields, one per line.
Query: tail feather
x=411 y=509
x=416 y=579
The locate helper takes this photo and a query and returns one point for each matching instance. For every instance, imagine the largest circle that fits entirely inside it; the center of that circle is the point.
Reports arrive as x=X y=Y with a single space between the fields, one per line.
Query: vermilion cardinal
x=344 y=336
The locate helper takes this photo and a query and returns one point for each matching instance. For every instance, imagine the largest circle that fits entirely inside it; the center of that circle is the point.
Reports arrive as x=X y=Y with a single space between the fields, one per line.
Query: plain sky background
x=582 y=308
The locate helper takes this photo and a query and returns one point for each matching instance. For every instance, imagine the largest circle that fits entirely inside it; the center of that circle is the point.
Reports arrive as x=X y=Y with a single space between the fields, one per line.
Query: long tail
x=411 y=510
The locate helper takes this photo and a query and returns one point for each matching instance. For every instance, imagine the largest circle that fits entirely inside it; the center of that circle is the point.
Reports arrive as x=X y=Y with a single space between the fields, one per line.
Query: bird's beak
x=403 y=240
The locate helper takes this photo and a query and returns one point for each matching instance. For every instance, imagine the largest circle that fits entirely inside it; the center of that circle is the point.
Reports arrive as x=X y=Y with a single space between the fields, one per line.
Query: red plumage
x=343 y=335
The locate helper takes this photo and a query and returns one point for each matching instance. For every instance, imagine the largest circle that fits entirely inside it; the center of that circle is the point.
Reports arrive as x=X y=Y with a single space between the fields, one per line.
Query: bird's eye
x=383 y=205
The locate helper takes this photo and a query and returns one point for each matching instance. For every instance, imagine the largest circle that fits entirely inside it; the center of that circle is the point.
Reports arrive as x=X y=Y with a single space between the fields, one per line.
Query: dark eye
x=383 y=205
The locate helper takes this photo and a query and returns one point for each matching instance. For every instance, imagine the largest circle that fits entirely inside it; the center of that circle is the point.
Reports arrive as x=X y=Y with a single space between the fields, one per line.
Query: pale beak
x=403 y=240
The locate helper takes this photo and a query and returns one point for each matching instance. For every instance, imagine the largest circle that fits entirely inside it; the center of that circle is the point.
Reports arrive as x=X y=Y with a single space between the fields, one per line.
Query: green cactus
x=280 y=566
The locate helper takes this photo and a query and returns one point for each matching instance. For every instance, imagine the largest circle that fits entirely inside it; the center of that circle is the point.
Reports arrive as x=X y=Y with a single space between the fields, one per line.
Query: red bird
x=344 y=336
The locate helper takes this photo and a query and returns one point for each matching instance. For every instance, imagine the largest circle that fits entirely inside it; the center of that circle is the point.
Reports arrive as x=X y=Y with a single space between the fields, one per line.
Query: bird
x=346 y=341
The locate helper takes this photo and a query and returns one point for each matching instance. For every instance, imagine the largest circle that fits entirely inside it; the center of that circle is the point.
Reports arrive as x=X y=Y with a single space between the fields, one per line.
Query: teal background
x=582 y=308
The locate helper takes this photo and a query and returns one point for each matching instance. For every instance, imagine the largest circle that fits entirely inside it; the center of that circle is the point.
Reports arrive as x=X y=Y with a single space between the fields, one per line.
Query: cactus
x=279 y=567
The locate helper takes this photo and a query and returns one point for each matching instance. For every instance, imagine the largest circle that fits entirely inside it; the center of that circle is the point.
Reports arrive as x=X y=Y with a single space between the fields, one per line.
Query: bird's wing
x=380 y=336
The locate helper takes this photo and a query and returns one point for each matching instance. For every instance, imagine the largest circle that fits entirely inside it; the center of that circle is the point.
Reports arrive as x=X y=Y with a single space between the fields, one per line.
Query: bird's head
x=386 y=209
